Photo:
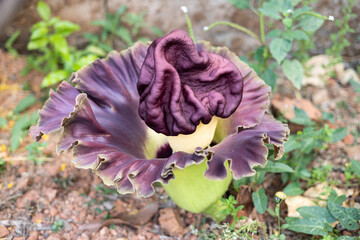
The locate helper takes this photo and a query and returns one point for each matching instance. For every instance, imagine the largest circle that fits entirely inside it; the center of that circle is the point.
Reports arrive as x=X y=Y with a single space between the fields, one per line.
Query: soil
x=54 y=200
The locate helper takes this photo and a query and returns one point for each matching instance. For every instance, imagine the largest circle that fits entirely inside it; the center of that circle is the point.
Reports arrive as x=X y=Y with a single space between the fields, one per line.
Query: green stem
x=191 y=32
x=262 y=29
x=312 y=14
x=233 y=25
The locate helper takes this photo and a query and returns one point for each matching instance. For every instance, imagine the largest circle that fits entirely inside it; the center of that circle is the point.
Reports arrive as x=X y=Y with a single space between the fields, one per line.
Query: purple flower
x=124 y=112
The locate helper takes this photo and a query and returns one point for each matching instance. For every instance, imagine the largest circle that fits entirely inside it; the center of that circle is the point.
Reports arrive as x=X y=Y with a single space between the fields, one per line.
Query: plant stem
x=236 y=26
x=312 y=14
x=262 y=29
x=191 y=32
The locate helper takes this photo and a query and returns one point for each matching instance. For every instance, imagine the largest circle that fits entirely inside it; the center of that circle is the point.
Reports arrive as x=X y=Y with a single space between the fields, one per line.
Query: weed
x=299 y=23
x=57 y=225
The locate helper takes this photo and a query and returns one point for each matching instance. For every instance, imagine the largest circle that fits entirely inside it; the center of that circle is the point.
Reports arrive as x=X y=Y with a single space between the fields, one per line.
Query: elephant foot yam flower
x=186 y=115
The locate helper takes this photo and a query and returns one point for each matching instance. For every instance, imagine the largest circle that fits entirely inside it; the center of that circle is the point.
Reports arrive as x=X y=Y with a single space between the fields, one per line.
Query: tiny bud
x=279 y=197
x=205 y=28
x=331 y=18
x=289 y=11
x=184 y=9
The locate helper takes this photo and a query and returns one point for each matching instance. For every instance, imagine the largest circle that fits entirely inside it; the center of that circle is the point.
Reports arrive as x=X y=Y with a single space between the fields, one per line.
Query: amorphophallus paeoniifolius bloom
x=189 y=116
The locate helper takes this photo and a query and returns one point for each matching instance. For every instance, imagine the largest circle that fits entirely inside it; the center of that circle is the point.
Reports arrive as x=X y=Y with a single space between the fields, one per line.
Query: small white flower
x=184 y=9
x=289 y=11
x=205 y=28
x=331 y=18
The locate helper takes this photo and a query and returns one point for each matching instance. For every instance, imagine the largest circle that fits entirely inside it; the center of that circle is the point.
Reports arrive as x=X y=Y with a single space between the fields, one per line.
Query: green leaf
x=301 y=117
x=270 y=78
x=273 y=33
x=277 y=167
x=348 y=217
x=295 y=34
x=333 y=197
x=346 y=238
x=260 y=200
x=37 y=44
x=339 y=134
x=242 y=4
x=316 y=212
x=124 y=34
x=241 y=182
x=3 y=122
x=312 y=226
x=20 y=129
x=310 y=23
x=293 y=189
x=25 y=104
x=271 y=9
x=328 y=116
x=65 y=28
x=60 y=44
x=37 y=33
x=293 y=70
x=44 y=10
x=158 y=32
x=292 y=144
x=355 y=165
x=279 y=47
x=54 y=77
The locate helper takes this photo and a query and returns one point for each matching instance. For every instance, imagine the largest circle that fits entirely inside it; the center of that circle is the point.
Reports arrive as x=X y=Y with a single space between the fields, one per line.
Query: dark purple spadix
x=180 y=87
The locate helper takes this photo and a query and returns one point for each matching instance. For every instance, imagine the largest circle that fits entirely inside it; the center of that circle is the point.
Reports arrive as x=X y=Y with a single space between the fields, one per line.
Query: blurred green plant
x=299 y=23
x=118 y=31
x=316 y=220
x=53 y=55
x=9 y=43
x=338 y=38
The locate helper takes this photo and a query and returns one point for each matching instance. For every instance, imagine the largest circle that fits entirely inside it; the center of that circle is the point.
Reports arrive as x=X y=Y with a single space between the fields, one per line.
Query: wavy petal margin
x=100 y=122
x=247 y=149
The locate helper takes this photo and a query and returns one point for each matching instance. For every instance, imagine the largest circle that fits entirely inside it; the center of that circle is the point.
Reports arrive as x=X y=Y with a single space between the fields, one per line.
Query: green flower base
x=193 y=192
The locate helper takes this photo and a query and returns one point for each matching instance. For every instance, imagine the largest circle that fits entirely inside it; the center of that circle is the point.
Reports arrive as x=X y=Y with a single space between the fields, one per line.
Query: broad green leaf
x=310 y=23
x=328 y=116
x=348 y=217
x=54 y=77
x=84 y=60
x=300 y=10
x=312 y=226
x=294 y=3
x=295 y=34
x=60 y=44
x=271 y=9
x=38 y=44
x=292 y=144
x=293 y=189
x=20 y=129
x=40 y=32
x=3 y=122
x=279 y=47
x=333 y=197
x=25 y=104
x=301 y=117
x=65 y=28
x=44 y=10
x=260 y=200
x=241 y=182
x=344 y=237
x=339 y=134
x=293 y=70
x=316 y=212
x=242 y=4
x=273 y=33
x=270 y=78
x=355 y=165
x=124 y=34
x=277 y=167
x=308 y=145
